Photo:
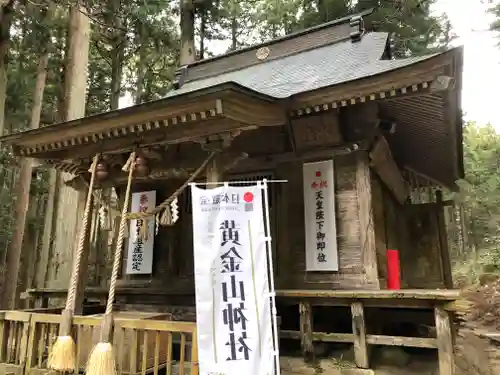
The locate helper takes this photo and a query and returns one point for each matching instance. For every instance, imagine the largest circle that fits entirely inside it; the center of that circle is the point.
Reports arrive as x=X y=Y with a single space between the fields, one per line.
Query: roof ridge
x=282 y=57
x=336 y=22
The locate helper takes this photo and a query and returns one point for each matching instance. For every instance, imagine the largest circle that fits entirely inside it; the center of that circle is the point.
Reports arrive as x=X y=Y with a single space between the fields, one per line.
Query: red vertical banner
x=393 y=270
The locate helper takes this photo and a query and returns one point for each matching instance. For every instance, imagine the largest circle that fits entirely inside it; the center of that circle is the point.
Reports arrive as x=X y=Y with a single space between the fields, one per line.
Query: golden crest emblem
x=262 y=53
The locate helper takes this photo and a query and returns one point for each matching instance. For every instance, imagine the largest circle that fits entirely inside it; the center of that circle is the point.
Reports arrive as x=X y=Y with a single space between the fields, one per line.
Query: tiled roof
x=309 y=70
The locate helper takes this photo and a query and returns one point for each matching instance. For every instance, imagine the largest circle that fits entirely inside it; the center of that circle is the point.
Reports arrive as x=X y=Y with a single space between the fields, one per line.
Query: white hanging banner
x=140 y=248
x=319 y=211
x=233 y=308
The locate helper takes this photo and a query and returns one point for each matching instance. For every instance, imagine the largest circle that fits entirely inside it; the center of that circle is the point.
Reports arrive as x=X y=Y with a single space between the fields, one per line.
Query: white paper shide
x=140 y=240
x=233 y=308
x=319 y=211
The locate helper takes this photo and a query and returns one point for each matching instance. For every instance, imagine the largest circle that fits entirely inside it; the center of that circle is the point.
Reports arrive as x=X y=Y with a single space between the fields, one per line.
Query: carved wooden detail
x=319 y=130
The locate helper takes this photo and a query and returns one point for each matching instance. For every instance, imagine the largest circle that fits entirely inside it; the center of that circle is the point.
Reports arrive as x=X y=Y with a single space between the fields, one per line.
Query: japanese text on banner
x=141 y=235
x=232 y=287
x=319 y=210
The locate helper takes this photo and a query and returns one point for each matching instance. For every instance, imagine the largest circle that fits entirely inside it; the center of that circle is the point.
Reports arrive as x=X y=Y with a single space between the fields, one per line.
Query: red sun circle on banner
x=318 y=173
x=248 y=197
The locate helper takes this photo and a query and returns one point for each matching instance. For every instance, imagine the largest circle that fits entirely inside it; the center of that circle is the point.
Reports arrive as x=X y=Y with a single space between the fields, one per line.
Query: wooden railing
x=142 y=346
x=440 y=302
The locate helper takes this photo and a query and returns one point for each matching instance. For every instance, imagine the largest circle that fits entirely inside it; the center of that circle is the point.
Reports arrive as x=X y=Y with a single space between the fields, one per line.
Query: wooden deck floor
x=419 y=294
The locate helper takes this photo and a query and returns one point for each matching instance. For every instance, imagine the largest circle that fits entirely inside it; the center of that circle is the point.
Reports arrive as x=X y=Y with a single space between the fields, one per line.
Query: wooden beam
x=366 y=220
x=386 y=168
x=112 y=126
x=235 y=160
x=443 y=243
x=226 y=162
x=319 y=131
x=306 y=331
x=175 y=134
x=408 y=342
x=252 y=110
x=214 y=173
x=359 y=332
x=348 y=338
x=444 y=341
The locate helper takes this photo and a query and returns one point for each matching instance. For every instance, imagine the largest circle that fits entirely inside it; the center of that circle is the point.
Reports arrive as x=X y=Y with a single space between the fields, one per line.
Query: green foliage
x=495 y=10
x=480 y=191
x=480 y=197
x=413 y=28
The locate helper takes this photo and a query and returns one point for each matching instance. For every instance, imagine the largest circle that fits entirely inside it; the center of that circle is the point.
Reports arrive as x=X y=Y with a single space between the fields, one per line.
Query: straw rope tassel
x=62 y=357
x=102 y=358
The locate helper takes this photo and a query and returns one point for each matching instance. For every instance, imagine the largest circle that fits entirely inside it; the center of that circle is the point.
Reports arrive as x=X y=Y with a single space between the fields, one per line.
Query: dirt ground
x=386 y=361
x=295 y=366
x=476 y=355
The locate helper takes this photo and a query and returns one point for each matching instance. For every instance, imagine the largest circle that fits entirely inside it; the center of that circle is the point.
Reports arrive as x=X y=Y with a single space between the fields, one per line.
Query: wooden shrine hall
x=389 y=133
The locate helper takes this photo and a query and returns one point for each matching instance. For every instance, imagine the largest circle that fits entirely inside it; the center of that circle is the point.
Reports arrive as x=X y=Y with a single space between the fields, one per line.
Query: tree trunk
x=14 y=273
x=203 y=30
x=188 y=51
x=141 y=65
x=322 y=11
x=68 y=202
x=117 y=55
x=116 y=73
x=50 y=214
x=6 y=13
x=234 y=34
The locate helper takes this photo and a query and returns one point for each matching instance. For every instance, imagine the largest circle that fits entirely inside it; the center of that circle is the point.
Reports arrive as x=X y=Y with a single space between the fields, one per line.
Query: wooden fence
x=142 y=346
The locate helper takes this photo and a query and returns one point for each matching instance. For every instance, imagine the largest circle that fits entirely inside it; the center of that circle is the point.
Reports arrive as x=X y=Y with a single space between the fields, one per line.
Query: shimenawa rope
x=62 y=356
x=71 y=299
x=162 y=206
x=102 y=358
x=130 y=165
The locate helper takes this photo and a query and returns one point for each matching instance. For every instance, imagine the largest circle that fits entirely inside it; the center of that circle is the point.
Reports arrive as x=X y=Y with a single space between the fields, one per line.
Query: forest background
x=135 y=47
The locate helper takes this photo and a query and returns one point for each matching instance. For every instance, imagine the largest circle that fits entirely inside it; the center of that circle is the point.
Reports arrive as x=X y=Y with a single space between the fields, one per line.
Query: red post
x=393 y=270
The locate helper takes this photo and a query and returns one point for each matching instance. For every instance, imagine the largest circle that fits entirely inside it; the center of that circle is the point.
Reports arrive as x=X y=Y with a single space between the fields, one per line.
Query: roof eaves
x=458 y=59
x=144 y=107
x=416 y=61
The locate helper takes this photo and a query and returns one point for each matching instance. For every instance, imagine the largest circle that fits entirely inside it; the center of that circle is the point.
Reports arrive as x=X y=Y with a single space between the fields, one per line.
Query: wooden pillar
x=443 y=243
x=366 y=221
x=214 y=173
x=444 y=341
x=359 y=332
x=306 y=331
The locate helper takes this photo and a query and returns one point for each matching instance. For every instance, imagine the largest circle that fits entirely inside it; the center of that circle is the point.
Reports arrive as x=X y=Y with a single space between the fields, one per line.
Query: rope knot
x=130 y=162
x=93 y=166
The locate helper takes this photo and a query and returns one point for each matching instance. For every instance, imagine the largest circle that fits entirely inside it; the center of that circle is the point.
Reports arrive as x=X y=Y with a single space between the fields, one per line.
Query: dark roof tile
x=310 y=70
